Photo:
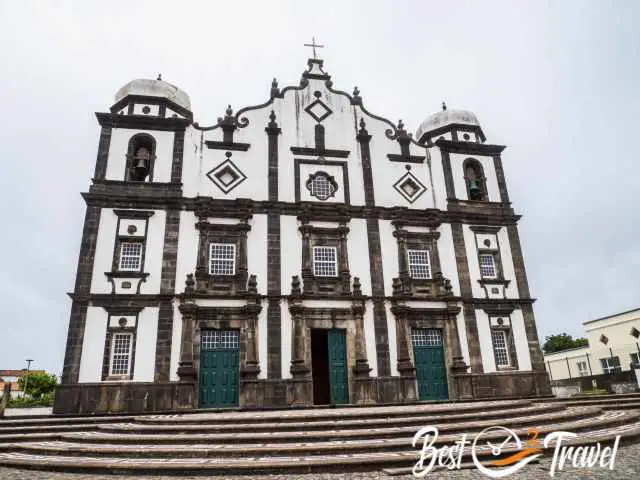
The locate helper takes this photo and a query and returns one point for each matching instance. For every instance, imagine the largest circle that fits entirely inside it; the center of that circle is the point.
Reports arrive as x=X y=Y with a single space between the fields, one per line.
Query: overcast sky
x=557 y=82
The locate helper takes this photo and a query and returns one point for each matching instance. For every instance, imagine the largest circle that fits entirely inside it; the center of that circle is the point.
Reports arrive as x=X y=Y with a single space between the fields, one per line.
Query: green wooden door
x=337 y=345
x=431 y=371
x=219 y=368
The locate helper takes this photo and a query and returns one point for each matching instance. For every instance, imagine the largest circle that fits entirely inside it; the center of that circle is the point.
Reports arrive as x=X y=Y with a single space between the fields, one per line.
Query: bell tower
x=139 y=133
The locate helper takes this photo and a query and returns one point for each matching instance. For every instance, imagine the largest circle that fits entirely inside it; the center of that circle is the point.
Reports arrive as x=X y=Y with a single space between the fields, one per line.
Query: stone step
x=609 y=401
x=308 y=414
x=210 y=424
x=124 y=436
x=6 y=422
x=261 y=465
x=608 y=419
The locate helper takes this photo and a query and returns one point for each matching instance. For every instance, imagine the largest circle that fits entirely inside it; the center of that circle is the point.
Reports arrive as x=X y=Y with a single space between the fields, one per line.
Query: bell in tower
x=140 y=168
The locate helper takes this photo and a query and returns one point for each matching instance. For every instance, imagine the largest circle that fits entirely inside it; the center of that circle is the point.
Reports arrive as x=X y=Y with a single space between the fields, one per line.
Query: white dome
x=155 y=88
x=446 y=117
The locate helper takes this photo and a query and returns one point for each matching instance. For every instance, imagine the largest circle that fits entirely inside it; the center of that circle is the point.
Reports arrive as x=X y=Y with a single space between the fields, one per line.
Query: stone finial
x=396 y=287
x=357 y=289
x=448 y=289
x=189 y=284
x=357 y=99
x=275 y=91
x=363 y=129
x=228 y=116
x=295 y=285
x=444 y=106
x=252 y=285
x=272 y=120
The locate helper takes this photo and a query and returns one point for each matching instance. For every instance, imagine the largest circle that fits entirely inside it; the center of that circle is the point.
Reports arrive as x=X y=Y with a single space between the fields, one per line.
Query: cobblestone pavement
x=627 y=466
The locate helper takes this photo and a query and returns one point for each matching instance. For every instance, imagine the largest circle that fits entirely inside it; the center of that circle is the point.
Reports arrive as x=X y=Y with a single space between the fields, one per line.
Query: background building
x=614 y=344
x=303 y=251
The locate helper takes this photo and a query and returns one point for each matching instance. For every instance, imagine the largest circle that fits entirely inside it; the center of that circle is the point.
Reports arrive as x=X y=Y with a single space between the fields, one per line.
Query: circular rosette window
x=321 y=185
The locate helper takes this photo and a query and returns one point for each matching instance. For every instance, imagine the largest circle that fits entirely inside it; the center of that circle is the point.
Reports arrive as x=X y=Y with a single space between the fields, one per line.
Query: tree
x=39 y=384
x=557 y=343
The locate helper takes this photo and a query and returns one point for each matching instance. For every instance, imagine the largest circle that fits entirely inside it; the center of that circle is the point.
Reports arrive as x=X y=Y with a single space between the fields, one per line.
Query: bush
x=45 y=400
x=39 y=384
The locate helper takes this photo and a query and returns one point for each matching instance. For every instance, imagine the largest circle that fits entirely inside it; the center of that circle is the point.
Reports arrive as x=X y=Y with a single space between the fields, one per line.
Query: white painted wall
x=187 y=249
x=105 y=250
x=357 y=248
x=257 y=250
x=393 y=346
x=507 y=264
x=486 y=344
x=472 y=260
x=520 y=340
x=462 y=335
x=389 y=249
x=146 y=345
x=119 y=144
x=290 y=252
x=448 y=257
x=262 y=340
x=370 y=338
x=105 y=244
x=95 y=331
x=153 y=253
x=153 y=109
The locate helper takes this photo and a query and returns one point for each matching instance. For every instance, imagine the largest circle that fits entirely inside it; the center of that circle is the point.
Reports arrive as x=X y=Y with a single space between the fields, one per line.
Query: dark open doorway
x=320 y=367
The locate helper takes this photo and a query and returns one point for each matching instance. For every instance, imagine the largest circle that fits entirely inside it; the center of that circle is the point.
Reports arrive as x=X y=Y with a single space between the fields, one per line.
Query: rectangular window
x=634 y=358
x=583 y=370
x=121 y=345
x=222 y=259
x=499 y=338
x=325 y=262
x=130 y=256
x=610 y=364
x=419 y=264
x=487 y=265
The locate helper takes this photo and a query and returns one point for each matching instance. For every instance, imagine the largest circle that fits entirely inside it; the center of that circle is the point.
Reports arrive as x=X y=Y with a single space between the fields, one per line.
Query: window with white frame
x=325 y=262
x=222 y=259
x=121 y=346
x=583 y=370
x=487 y=265
x=130 y=256
x=419 y=264
x=610 y=364
x=500 y=348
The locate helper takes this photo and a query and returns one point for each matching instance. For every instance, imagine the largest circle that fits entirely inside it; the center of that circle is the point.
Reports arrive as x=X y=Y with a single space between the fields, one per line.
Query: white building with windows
x=614 y=345
x=302 y=251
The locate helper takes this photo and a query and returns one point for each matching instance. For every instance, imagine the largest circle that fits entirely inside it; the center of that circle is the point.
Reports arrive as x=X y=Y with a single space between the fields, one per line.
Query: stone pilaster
x=186 y=367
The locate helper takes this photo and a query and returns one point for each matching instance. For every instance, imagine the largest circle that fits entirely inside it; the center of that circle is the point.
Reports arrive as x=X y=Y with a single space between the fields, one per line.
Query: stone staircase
x=607 y=402
x=295 y=441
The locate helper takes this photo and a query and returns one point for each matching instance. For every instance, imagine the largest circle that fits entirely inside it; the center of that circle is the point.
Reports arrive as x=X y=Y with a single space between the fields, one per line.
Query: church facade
x=300 y=252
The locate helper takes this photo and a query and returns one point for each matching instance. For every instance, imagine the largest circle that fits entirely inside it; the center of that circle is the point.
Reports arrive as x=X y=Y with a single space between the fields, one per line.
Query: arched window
x=475 y=180
x=140 y=158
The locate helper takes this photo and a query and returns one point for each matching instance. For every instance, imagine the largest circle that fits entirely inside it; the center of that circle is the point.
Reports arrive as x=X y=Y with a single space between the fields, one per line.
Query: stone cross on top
x=313 y=45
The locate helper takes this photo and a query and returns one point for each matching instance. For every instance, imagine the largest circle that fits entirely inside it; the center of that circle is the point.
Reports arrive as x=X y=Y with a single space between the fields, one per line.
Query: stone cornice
x=470 y=147
x=484 y=215
x=142 y=122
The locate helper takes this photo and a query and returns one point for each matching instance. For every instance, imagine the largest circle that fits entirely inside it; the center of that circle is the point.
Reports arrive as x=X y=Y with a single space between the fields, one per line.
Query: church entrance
x=329 y=366
x=431 y=371
x=219 y=368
